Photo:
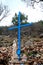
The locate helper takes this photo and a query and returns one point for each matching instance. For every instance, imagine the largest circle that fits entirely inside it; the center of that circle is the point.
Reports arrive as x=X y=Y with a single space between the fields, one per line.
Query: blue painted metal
x=19 y=44
x=23 y=25
x=12 y=28
x=19 y=40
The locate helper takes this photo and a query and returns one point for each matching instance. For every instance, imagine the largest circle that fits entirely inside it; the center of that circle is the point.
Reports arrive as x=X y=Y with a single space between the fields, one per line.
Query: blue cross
x=19 y=27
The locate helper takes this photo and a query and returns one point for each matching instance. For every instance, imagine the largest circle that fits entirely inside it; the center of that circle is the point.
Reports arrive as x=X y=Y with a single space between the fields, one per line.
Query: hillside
x=31 y=45
x=6 y=36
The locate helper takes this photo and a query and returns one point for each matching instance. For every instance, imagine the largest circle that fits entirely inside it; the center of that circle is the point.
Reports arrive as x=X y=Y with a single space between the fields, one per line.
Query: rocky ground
x=31 y=45
x=31 y=53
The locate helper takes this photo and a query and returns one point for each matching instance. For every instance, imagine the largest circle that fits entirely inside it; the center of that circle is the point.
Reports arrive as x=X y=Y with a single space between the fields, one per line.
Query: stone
x=37 y=55
x=41 y=35
x=14 y=49
x=35 y=63
x=41 y=56
x=29 y=43
x=41 y=50
x=24 y=57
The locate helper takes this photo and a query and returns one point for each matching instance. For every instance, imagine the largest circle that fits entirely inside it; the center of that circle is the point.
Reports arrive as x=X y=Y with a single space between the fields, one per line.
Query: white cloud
x=2 y=1
x=33 y=14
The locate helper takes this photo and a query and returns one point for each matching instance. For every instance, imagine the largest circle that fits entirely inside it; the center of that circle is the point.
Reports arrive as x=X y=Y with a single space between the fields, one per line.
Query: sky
x=15 y=6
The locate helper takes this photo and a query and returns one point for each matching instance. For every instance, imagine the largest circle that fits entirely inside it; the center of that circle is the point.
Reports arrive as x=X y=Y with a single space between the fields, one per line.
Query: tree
x=32 y=2
x=41 y=22
x=23 y=18
x=3 y=11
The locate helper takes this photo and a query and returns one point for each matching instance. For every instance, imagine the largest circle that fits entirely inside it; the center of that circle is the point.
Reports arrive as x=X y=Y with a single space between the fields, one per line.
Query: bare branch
x=3 y=11
x=32 y=2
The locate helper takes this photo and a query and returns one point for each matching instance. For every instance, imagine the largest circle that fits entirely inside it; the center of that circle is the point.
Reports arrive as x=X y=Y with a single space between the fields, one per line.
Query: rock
x=14 y=49
x=35 y=63
x=24 y=57
x=1 y=56
x=37 y=55
x=41 y=56
x=3 y=50
x=29 y=43
x=41 y=50
x=41 y=35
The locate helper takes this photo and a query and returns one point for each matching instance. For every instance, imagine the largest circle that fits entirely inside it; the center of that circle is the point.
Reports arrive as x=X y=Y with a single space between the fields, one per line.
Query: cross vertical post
x=19 y=44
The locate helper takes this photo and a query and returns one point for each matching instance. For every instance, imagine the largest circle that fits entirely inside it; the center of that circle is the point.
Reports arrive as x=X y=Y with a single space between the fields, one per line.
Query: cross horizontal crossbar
x=23 y=25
